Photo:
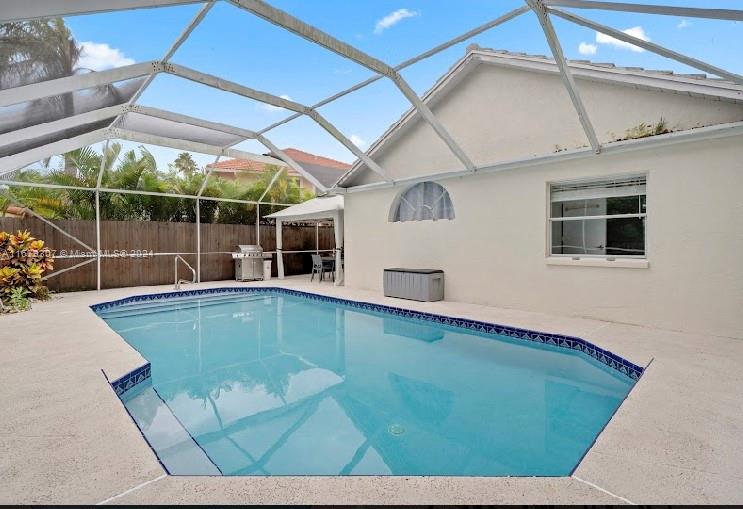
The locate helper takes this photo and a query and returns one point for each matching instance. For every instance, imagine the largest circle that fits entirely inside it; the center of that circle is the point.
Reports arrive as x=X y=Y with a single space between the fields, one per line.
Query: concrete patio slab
x=65 y=437
x=367 y=490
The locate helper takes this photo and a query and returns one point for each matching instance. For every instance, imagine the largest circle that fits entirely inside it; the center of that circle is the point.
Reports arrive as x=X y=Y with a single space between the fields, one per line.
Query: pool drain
x=396 y=429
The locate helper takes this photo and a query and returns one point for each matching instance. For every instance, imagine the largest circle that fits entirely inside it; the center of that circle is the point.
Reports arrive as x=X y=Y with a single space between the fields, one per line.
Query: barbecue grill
x=248 y=263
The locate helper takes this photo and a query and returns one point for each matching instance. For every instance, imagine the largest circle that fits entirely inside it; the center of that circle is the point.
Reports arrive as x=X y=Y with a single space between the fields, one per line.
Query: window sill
x=617 y=263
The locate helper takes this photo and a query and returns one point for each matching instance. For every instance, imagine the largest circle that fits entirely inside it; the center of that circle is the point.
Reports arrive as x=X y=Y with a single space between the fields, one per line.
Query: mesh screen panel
x=167 y=128
x=49 y=109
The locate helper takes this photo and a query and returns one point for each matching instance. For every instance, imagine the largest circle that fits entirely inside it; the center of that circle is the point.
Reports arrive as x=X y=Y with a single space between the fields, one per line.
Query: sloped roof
x=324 y=207
x=324 y=169
x=305 y=157
x=697 y=84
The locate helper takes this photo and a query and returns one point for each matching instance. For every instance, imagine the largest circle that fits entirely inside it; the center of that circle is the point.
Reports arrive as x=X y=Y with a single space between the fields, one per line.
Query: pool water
x=276 y=384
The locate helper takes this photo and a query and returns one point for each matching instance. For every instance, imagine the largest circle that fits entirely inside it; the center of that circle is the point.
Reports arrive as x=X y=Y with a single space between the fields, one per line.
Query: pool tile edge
x=609 y=359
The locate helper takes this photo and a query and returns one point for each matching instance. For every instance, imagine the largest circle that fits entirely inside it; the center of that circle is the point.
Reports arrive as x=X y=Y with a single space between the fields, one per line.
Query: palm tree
x=41 y=50
x=34 y=51
x=37 y=50
x=137 y=170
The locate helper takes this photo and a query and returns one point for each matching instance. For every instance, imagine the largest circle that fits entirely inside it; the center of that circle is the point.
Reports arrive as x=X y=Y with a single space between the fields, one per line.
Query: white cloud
x=358 y=141
x=637 y=32
x=585 y=48
x=684 y=24
x=271 y=108
x=98 y=56
x=394 y=18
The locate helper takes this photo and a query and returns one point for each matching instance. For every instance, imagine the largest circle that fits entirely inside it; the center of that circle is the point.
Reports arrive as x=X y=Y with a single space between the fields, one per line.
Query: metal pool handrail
x=179 y=281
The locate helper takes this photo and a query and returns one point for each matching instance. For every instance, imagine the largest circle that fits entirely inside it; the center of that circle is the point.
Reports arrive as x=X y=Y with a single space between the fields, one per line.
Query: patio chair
x=320 y=266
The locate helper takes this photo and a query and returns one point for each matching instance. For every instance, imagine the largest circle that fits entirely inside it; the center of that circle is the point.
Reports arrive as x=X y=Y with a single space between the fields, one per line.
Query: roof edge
x=664 y=81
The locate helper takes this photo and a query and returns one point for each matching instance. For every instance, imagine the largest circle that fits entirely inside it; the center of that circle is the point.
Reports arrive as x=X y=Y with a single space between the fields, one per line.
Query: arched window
x=426 y=201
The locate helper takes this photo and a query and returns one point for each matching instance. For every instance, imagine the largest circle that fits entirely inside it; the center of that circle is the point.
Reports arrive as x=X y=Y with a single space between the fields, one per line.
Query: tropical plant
x=137 y=170
x=18 y=299
x=23 y=262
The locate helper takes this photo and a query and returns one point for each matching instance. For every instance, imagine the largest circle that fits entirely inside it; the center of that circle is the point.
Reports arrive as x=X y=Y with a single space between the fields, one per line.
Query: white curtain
x=338 y=227
x=279 y=252
x=424 y=201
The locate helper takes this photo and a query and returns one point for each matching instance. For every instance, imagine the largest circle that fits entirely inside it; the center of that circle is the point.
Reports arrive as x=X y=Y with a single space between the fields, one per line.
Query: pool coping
x=571 y=343
x=654 y=440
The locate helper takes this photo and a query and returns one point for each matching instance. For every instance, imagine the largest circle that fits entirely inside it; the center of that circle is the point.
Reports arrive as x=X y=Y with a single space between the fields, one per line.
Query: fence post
x=98 y=181
x=98 y=237
x=198 y=240
x=258 y=224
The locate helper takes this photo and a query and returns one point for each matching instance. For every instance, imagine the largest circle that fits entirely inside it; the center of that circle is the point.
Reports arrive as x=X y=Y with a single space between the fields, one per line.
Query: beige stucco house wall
x=495 y=251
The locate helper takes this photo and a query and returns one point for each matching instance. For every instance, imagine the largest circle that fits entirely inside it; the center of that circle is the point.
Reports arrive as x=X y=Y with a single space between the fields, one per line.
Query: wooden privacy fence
x=130 y=249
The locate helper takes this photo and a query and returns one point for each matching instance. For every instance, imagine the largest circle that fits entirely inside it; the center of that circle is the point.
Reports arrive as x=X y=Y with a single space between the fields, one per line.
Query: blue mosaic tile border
x=131 y=379
x=615 y=362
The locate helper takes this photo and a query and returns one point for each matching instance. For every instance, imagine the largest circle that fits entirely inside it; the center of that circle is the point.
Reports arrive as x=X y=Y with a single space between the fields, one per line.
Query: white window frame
x=561 y=259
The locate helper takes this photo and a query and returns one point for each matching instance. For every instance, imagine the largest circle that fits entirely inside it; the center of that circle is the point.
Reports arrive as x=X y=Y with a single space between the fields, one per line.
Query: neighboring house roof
x=688 y=84
x=326 y=170
x=15 y=211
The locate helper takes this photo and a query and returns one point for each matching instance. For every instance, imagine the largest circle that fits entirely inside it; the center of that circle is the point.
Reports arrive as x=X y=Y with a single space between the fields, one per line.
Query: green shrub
x=18 y=299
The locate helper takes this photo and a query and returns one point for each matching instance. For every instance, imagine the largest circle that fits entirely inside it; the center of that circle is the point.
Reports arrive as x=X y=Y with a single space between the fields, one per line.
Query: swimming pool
x=266 y=381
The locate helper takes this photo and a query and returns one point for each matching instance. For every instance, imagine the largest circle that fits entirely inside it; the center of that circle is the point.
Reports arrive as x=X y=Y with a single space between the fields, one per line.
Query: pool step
x=174 y=304
x=178 y=452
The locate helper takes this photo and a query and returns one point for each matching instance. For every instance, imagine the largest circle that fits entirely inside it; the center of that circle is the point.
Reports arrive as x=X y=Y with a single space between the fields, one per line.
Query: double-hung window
x=599 y=217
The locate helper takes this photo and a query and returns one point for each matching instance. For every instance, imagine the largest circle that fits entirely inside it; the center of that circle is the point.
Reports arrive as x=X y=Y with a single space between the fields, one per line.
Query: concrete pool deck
x=66 y=438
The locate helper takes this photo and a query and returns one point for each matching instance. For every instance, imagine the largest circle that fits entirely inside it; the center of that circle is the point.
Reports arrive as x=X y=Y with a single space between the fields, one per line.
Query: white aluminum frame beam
x=290 y=162
x=19 y=10
x=16 y=161
x=206 y=177
x=312 y=34
x=203 y=148
x=567 y=77
x=273 y=100
x=650 y=46
x=20 y=183
x=271 y=183
x=246 y=134
x=113 y=111
x=198 y=18
x=687 y=12
x=186 y=119
x=22 y=159
x=72 y=83
x=701 y=133
x=58 y=86
x=407 y=63
x=39 y=130
x=41 y=218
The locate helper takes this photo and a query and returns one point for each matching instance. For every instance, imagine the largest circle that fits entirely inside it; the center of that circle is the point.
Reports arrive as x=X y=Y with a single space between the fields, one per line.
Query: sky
x=240 y=47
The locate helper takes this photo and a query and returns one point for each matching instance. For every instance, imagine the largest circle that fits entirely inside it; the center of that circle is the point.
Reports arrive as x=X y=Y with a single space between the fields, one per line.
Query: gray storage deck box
x=415 y=284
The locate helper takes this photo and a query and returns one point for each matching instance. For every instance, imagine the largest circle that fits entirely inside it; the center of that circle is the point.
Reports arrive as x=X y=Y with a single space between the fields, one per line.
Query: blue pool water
x=276 y=384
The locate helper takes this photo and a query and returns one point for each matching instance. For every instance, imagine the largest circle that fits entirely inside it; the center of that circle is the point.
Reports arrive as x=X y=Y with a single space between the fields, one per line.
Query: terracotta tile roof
x=305 y=157
x=324 y=169
x=15 y=211
x=237 y=164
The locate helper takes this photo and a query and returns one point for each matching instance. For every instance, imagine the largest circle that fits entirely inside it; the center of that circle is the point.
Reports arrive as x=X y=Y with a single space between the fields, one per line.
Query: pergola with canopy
x=28 y=138
x=317 y=209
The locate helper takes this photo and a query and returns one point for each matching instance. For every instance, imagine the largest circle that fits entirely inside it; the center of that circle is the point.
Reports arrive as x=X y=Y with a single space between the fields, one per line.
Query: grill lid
x=248 y=251
x=249 y=248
